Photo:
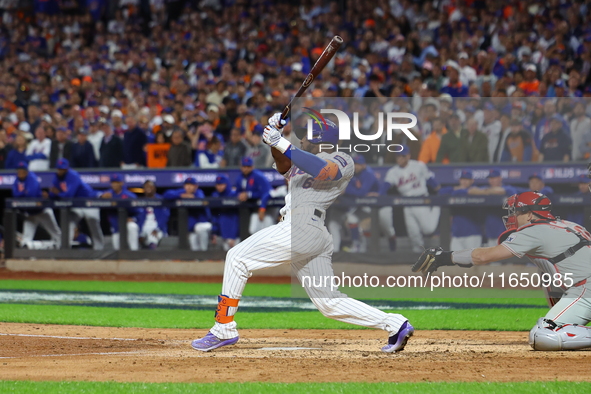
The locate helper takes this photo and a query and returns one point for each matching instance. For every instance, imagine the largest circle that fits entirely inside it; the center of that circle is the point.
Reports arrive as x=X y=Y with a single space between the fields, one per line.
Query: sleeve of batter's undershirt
x=311 y=164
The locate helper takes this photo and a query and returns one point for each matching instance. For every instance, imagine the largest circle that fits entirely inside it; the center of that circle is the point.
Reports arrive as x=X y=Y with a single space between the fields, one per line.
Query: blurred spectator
x=530 y=83
x=61 y=147
x=257 y=149
x=451 y=149
x=580 y=128
x=466 y=230
x=211 y=157
x=493 y=223
x=95 y=137
x=17 y=154
x=519 y=145
x=179 y=154
x=38 y=151
x=5 y=148
x=68 y=184
x=235 y=149
x=157 y=152
x=26 y=185
x=227 y=220
x=155 y=225
x=555 y=145
x=430 y=147
x=83 y=152
x=135 y=215
x=111 y=150
x=199 y=218
x=454 y=86
x=134 y=141
x=475 y=143
x=543 y=127
x=493 y=130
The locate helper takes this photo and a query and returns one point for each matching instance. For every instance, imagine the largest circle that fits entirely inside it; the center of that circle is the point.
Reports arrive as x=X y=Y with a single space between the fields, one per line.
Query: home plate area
x=52 y=352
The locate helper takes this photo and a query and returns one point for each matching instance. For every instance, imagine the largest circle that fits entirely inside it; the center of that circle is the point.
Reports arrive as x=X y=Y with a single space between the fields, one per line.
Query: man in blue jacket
x=466 y=232
x=493 y=222
x=68 y=184
x=26 y=185
x=135 y=215
x=156 y=221
x=364 y=183
x=226 y=220
x=199 y=218
x=253 y=185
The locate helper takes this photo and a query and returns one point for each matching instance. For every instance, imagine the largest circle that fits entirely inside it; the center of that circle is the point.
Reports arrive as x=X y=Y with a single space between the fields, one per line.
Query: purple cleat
x=210 y=342
x=397 y=342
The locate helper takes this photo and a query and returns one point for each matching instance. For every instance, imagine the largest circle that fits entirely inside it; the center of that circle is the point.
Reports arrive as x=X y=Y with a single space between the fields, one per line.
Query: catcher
x=557 y=247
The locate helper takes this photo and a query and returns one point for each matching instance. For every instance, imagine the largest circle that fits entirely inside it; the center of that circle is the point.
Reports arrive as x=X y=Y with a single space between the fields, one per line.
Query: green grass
x=507 y=297
x=517 y=319
x=296 y=388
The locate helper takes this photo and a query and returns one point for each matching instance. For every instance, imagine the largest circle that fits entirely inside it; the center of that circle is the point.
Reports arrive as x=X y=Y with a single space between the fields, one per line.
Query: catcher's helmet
x=533 y=202
x=323 y=131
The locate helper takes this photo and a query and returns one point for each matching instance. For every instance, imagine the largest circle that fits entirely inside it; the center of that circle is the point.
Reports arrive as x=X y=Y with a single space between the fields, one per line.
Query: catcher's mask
x=533 y=202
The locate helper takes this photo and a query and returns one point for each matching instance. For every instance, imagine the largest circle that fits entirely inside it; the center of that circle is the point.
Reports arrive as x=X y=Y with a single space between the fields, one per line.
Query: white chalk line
x=74 y=354
x=62 y=337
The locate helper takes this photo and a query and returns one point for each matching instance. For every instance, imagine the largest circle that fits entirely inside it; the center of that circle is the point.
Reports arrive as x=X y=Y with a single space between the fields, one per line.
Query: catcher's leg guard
x=546 y=335
x=224 y=314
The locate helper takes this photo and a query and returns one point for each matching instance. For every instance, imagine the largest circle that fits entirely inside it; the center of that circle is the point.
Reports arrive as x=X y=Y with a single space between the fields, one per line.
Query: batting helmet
x=326 y=131
x=533 y=202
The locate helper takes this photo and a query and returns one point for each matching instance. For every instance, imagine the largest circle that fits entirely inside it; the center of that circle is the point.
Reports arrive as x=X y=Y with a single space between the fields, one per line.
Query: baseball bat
x=328 y=53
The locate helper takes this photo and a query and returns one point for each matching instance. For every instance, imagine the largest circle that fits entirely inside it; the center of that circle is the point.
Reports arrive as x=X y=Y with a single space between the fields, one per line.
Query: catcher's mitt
x=431 y=259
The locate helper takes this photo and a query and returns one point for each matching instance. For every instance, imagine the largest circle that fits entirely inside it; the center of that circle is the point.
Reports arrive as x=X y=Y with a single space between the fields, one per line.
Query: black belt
x=318 y=213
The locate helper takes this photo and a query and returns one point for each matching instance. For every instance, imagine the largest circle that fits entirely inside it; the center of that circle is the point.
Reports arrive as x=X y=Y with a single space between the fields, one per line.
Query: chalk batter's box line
x=64 y=337
x=75 y=354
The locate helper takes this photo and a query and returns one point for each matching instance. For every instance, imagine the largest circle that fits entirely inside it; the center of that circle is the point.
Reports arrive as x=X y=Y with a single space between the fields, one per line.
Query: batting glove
x=273 y=138
x=431 y=259
x=276 y=121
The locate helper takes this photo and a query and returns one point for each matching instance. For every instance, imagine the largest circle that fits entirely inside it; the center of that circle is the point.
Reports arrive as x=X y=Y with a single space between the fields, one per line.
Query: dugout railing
x=180 y=251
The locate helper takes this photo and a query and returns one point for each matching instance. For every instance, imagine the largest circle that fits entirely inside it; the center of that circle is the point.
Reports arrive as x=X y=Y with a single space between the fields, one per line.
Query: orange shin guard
x=224 y=304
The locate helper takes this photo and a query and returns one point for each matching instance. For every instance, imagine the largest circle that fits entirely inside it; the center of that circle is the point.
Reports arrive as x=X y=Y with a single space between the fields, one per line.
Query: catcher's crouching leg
x=547 y=335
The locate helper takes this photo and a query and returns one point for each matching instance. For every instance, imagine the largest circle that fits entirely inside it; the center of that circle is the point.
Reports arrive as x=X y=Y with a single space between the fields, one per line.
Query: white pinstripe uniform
x=411 y=181
x=302 y=240
x=544 y=241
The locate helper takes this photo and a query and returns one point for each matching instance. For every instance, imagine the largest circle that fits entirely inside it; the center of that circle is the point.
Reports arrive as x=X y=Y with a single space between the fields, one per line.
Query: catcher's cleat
x=210 y=342
x=397 y=342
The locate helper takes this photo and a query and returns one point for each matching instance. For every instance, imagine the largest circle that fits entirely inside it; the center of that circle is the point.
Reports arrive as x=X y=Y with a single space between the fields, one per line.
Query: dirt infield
x=49 y=352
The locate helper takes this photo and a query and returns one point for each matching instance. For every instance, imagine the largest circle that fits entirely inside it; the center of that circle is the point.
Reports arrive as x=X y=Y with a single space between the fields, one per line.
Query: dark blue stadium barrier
x=554 y=173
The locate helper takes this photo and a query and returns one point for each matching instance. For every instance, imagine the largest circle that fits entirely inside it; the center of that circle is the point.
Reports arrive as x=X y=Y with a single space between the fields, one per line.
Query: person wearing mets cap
x=135 y=215
x=412 y=178
x=226 y=221
x=26 y=185
x=560 y=249
x=465 y=226
x=316 y=179
x=199 y=223
x=67 y=183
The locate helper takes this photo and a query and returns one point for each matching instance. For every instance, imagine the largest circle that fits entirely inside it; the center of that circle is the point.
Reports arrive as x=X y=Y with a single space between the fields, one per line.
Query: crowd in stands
x=186 y=83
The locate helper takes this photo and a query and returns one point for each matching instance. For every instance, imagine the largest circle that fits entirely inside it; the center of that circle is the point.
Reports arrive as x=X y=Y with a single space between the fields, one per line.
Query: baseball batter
x=557 y=247
x=315 y=181
x=411 y=178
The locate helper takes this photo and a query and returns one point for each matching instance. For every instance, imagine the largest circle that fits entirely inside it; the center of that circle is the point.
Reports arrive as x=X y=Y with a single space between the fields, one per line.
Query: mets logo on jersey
x=64 y=186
